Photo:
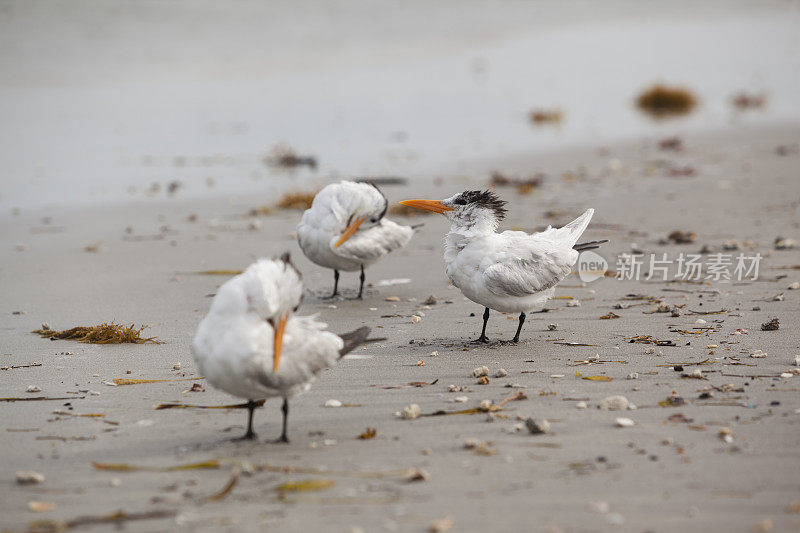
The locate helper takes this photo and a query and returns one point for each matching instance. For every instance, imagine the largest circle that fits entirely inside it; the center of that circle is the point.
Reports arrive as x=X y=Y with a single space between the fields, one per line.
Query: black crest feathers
x=485 y=199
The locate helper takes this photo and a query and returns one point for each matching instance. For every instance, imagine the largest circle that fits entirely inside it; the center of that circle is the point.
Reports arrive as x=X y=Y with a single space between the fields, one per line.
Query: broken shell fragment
x=537 y=427
x=29 y=477
x=480 y=371
x=581 y=405
x=614 y=403
x=624 y=422
x=758 y=354
x=483 y=380
x=410 y=412
x=333 y=403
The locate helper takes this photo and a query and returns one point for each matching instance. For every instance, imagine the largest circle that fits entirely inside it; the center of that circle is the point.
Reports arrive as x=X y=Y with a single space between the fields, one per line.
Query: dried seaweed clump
x=546 y=116
x=299 y=200
x=103 y=334
x=523 y=185
x=744 y=101
x=401 y=210
x=661 y=101
x=285 y=157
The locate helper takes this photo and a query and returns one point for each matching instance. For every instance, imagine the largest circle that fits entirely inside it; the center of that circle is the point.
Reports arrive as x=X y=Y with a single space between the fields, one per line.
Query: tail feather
x=570 y=233
x=591 y=245
x=354 y=339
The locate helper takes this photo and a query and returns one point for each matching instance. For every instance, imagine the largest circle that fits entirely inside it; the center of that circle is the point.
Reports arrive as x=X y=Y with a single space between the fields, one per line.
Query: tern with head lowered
x=252 y=345
x=345 y=229
x=512 y=271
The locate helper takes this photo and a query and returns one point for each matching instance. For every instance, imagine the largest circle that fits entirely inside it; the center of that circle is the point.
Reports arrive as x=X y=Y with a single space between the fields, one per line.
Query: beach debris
x=40 y=507
x=33 y=388
x=103 y=334
x=523 y=185
x=455 y=388
x=758 y=354
x=126 y=467
x=671 y=143
x=794 y=286
x=28 y=477
x=682 y=237
x=410 y=412
x=661 y=101
x=772 y=325
x=368 y=433
x=537 y=427
x=632 y=375
x=441 y=525
x=672 y=401
x=460 y=399
x=796 y=361
x=392 y=298
x=782 y=243
x=485 y=405
x=501 y=373
x=117 y=517
x=483 y=380
x=581 y=405
x=411 y=385
x=574 y=303
x=416 y=319
x=128 y=381
x=177 y=405
x=176 y=366
x=592 y=378
x=284 y=156
x=624 y=422
x=614 y=403
x=649 y=350
x=308 y=485
x=480 y=371
x=217 y=496
x=609 y=315
x=545 y=116
x=725 y=434
x=333 y=403
x=743 y=101
x=552 y=327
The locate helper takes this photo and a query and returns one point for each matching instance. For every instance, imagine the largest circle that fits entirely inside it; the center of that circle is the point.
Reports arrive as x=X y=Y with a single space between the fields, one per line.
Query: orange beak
x=352 y=228
x=277 y=342
x=428 y=205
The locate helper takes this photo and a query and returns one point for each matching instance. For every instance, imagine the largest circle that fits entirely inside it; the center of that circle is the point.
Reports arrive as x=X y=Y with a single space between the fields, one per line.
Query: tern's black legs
x=483 y=337
x=284 y=436
x=250 y=435
x=335 y=285
x=361 y=287
x=519 y=328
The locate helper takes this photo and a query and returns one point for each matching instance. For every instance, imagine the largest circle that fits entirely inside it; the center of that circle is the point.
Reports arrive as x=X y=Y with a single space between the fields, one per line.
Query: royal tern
x=252 y=345
x=345 y=229
x=512 y=271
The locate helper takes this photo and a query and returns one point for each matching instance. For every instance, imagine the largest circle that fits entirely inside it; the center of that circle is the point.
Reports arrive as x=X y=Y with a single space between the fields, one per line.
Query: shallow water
x=98 y=104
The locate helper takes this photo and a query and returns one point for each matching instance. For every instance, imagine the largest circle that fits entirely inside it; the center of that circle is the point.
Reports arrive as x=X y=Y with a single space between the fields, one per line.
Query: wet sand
x=663 y=474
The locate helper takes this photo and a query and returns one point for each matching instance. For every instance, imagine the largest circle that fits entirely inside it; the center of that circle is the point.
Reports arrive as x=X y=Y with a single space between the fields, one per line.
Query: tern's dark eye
x=460 y=201
x=296 y=307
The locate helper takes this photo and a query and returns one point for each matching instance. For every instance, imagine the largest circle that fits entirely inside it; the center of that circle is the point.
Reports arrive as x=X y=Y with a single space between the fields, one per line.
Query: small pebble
x=633 y=375
x=333 y=403
x=33 y=388
x=649 y=350
x=176 y=366
x=552 y=327
x=796 y=360
x=700 y=321
x=434 y=353
x=416 y=319
x=483 y=380
x=29 y=477
x=501 y=373
x=472 y=443
x=485 y=405
x=537 y=427
x=614 y=403
x=697 y=373
x=581 y=405
x=480 y=371
x=94 y=393
x=574 y=303
x=115 y=482
x=794 y=286
x=410 y=412
x=758 y=354
x=772 y=325
x=460 y=399
x=624 y=422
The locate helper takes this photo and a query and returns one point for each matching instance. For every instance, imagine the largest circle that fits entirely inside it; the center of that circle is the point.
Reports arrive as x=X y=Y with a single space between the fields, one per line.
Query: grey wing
x=528 y=273
x=375 y=242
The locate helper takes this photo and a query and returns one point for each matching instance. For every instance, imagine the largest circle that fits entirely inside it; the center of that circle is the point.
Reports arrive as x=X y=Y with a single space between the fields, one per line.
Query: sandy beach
x=138 y=138
x=671 y=470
